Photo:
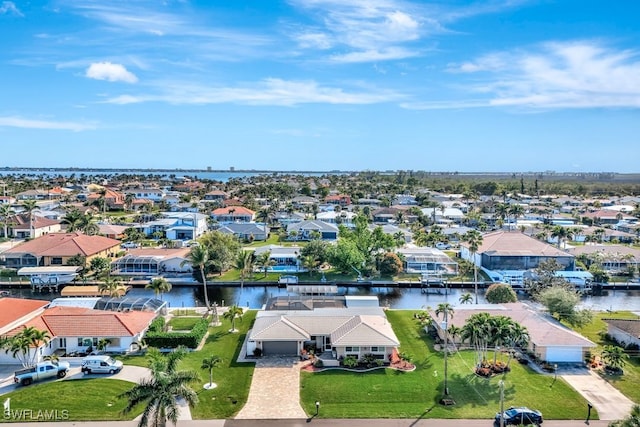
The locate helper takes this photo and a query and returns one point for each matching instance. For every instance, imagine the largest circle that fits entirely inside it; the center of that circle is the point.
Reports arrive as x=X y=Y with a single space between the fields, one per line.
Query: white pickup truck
x=41 y=371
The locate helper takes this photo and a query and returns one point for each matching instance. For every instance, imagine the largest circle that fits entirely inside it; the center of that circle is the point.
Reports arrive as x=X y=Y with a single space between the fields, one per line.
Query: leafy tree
x=223 y=250
x=632 y=420
x=316 y=249
x=160 y=286
x=499 y=293
x=345 y=256
x=162 y=391
x=562 y=303
x=99 y=265
x=545 y=277
x=390 y=264
x=209 y=363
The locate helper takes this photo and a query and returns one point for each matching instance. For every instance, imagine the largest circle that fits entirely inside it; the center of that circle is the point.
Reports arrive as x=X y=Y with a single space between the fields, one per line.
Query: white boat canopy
x=30 y=271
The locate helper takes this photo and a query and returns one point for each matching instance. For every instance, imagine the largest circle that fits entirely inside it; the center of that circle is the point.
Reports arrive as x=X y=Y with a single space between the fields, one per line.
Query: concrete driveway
x=609 y=402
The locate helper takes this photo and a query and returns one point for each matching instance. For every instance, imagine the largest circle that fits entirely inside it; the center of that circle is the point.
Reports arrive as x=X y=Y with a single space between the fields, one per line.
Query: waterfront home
x=246 y=231
x=306 y=230
x=427 y=260
x=113 y=200
x=550 y=341
x=177 y=225
x=624 y=331
x=513 y=250
x=153 y=262
x=21 y=227
x=334 y=327
x=56 y=249
x=615 y=259
x=284 y=259
x=233 y=214
x=332 y=217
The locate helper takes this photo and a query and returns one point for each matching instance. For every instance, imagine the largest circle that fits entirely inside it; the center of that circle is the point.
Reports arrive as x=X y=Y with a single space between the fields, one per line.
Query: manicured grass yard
x=628 y=382
x=85 y=400
x=392 y=394
x=183 y=323
x=233 y=379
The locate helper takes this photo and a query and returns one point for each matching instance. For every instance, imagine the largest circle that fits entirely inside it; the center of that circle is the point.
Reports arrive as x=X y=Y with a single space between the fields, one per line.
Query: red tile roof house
x=20 y=227
x=233 y=214
x=56 y=249
x=77 y=329
x=550 y=341
x=114 y=200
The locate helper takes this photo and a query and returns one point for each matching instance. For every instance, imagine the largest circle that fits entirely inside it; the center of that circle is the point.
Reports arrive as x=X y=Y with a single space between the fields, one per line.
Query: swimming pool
x=285 y=269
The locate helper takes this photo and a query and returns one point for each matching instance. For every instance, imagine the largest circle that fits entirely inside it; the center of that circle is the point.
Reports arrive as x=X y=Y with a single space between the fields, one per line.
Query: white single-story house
x=284 y=258
x=334 y=332
x=550 y=341
x=625 y=331
x=153 y=261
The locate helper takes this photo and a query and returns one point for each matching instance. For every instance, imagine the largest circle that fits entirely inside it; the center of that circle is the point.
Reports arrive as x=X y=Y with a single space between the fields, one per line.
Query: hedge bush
x=161 y=339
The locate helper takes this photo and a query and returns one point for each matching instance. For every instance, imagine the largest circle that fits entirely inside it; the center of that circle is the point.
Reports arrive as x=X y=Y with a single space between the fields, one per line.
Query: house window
x=375 y=349
x=63 y=342
x=348 y=348
x=56 y=261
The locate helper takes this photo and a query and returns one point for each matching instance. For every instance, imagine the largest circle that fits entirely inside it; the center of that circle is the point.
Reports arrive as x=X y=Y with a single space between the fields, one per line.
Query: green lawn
x=392 y=394
x=233 y=379
x=83 y=400
x=627 y=383
x=184 y=323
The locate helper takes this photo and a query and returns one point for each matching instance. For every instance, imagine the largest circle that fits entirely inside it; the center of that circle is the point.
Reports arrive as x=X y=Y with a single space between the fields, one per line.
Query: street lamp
x=501 y=384
x=317 y=407
x=446 y=350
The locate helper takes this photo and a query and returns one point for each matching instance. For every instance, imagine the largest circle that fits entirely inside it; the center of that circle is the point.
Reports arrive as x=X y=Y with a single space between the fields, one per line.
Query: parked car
x=443 y=246
x=519 y=416
x=41 y=371
x=100 y=365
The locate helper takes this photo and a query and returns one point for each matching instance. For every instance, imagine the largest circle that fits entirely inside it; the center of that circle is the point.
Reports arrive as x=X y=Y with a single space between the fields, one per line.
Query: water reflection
x=392 y=297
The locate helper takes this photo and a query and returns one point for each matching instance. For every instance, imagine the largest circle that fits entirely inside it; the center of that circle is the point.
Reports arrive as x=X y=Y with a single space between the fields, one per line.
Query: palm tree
x=159 y=285
x=6 y=211
x=445 y=310
x=500 y=332
x=162 y=390
x=561 y=233
x=25 y=344
x=232 y=314
x=198 y=257
x=111 y=287
x=454 y=332
x=103 y=343
x=264 y=261
x=466 y=298
x=29 y=206
x=476 y=330
x=516 y=210
x=614 y=356
x=474 y=240
x=244 y=264
x=210 y=363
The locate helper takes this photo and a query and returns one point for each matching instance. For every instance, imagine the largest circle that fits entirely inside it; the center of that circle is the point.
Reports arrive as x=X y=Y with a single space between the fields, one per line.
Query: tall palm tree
x=264 y=261
x=476 y=330
x=29 y=206
x=500 y=331
x=445 y=310
x=159 y=285
x=198 y=257
x=161 y=391
x=474 y=240
x=560 y=233
x=244 y=264
x=6 y=212
x=210 y=363
x=110 y=286
x=25 y=344
x=516 y=210
x=234 y=312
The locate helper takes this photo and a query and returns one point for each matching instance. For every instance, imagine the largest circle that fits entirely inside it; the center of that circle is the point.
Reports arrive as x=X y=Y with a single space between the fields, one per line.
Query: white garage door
x=564 y=354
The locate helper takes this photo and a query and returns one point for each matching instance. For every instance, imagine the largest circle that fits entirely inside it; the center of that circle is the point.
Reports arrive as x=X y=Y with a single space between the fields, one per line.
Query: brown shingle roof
x=65 y=244
x=630 y=326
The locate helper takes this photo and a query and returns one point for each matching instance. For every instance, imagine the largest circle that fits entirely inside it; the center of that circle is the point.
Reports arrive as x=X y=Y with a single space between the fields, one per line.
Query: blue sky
x=511 y=85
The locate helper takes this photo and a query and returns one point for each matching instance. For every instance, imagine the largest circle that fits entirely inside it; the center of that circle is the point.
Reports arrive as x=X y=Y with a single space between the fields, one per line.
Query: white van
x=101 y=365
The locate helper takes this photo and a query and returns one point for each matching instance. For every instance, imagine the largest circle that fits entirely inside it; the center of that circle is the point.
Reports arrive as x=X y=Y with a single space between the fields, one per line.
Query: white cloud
x=266 y=92
x=110 y=72
x=19 y=122
x=9 y=8
x=577 y=74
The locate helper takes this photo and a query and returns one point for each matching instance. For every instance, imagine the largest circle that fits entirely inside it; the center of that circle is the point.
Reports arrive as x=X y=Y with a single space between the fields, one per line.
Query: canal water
x=392 y=297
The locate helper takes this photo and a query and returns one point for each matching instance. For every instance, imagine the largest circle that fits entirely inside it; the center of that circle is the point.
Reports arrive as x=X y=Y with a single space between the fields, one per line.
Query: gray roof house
x=334 y=333
x=305 y=229
x=246 y=231
x=625 y=331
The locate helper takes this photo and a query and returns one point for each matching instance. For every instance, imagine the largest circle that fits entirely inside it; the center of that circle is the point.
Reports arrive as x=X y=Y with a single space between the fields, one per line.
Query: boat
x=49 y=277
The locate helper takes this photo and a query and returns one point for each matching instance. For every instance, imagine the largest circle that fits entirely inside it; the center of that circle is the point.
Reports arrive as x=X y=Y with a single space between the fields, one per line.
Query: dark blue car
x=519 y=416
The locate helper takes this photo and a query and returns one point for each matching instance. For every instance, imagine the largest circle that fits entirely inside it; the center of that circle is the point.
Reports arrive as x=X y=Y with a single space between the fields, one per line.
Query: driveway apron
x=275 y=390
x=608 y=401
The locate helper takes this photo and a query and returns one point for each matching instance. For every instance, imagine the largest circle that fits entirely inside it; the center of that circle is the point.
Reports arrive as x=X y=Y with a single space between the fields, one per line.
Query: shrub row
x=161 y=339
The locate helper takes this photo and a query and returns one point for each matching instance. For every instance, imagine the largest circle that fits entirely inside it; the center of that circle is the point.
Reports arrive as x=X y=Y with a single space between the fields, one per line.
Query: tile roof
x=12 y=309
x=84 y=322
x=21 y=222
x=234 y=210
x=65 y=244
x=515 y=243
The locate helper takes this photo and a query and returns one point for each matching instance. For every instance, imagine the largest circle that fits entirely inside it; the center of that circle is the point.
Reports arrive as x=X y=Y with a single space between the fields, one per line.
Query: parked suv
x=101 y=365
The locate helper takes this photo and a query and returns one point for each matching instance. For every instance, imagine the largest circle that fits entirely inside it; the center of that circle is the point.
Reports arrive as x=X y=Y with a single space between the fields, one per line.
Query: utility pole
x=501 y=384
